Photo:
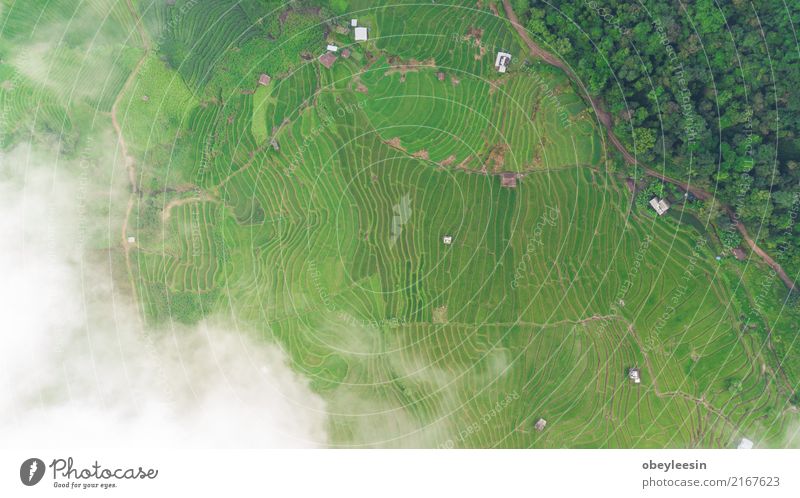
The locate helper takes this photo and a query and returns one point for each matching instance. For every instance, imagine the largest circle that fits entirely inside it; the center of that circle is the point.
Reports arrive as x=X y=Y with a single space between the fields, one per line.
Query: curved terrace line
x=605 y=118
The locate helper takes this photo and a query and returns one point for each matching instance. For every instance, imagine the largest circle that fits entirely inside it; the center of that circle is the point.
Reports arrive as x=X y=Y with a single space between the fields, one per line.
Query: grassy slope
x=332 y=245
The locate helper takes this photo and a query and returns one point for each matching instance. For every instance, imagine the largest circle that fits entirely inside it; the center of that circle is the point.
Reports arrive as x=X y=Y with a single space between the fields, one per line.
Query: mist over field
x=365 y=253
x=77 y=368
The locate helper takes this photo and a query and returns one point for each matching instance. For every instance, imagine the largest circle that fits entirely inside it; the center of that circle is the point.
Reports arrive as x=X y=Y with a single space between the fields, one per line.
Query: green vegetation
x=48 y=67
x=652 y=188
x=513 y=127
x=705 y=91
x=329 y=241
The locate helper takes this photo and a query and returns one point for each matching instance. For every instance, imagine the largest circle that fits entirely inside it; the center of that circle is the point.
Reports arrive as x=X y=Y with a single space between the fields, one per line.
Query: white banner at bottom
x=390 y=473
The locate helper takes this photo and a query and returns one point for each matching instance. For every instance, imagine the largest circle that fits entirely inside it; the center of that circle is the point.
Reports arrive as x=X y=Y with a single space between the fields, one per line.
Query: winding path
x=605 y=118
x=130 y=163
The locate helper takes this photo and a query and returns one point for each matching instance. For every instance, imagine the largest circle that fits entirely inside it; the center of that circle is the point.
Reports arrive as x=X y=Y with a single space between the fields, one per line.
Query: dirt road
x=130 y=163
x=605 y=119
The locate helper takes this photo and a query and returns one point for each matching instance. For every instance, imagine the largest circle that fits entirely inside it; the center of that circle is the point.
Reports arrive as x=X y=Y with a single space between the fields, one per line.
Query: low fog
x=77 y=367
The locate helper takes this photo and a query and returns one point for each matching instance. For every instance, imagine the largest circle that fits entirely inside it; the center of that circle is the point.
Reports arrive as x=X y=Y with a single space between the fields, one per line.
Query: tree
x=722 y=136
x=644 y=139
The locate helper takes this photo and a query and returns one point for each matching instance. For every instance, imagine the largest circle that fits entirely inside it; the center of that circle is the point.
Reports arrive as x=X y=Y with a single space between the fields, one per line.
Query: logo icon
x=31 y=471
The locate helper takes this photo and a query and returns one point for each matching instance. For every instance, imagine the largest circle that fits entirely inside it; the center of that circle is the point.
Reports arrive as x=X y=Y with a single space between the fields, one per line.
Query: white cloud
x=78 y=370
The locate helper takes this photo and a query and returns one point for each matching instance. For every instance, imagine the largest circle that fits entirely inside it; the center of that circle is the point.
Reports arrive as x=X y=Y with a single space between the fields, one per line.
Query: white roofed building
x=361 y=33
x=502 y=61
x=660 y=205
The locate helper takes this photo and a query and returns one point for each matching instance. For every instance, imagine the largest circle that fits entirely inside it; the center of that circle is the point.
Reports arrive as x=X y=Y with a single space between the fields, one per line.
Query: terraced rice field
x=329 y=241
x=332 y=245
x=50 y=81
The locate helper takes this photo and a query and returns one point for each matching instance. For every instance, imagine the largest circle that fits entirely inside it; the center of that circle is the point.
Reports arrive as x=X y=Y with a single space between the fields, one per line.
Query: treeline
x=709 y=91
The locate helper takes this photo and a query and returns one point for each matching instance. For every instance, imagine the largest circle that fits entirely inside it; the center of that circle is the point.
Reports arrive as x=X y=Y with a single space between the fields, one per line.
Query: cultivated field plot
x=322 y=204
x=444 y=250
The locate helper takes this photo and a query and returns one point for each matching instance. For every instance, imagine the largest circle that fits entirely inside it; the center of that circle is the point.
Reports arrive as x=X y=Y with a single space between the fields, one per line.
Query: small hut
x=635 y=375
x=327 y=59
x=508 y=180
x=264 y=79
x=660 y=205
x=540 y=424
x=502 y=61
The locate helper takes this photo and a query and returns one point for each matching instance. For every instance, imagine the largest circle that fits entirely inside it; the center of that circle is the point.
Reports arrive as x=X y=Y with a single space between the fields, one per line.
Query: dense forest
x=705 y=91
